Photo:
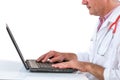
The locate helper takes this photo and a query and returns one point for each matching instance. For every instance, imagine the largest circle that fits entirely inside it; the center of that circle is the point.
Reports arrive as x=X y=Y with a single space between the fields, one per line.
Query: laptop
x=32 y=65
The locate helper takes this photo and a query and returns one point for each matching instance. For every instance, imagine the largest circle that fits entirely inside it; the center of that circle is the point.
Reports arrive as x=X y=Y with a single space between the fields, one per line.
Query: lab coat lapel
x=110 y=20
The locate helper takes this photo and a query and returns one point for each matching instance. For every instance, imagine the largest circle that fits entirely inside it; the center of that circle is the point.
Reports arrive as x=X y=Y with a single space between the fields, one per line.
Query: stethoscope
x=105 y=41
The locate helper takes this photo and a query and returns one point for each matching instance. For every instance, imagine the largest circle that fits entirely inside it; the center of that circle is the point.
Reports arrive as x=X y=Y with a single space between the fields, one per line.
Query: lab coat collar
x=112 y=17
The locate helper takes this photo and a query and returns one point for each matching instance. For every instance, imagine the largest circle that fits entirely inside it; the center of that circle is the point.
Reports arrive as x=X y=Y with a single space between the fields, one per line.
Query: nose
x=84 y=2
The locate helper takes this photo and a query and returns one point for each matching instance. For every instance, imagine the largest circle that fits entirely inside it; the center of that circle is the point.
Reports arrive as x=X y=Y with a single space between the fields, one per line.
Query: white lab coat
x=110 y=59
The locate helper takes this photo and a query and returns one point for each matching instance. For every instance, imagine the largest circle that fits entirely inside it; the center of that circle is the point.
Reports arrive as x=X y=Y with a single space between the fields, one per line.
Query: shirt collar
x=105 y=17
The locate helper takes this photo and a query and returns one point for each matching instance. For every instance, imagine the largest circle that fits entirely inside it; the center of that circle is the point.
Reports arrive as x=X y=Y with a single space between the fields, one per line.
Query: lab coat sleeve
x=112 y=74
x=83 y=56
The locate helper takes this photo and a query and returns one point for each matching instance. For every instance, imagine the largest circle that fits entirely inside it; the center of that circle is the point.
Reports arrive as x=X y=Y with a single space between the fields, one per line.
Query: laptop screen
x=16 y=46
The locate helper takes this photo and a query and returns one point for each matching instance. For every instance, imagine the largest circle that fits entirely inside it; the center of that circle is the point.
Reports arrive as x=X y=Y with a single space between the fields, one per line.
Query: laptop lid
x=16 y=46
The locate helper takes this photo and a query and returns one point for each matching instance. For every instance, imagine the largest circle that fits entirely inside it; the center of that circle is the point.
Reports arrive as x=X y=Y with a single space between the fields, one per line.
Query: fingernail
x=53 y=65
x=43 y=60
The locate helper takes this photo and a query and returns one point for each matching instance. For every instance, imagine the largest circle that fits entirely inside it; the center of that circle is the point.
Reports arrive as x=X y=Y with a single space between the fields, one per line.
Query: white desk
x=14 y=70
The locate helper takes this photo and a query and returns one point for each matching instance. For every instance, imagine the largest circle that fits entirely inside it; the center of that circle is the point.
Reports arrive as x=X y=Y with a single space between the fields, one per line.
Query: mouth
x=88 y=7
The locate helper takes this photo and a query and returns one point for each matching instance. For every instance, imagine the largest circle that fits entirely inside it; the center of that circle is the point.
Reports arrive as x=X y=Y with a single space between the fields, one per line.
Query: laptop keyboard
x=46 y=67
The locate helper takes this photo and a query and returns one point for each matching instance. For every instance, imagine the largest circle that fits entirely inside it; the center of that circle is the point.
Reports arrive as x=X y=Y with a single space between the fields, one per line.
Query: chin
x=91 y=13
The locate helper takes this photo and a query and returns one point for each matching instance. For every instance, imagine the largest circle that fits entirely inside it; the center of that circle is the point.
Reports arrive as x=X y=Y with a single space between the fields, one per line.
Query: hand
x=54 y=56
x=94 y=69
x=75 y=64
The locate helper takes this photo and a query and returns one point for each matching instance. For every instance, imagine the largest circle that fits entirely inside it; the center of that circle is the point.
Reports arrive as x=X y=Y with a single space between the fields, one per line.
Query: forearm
x=96 y=70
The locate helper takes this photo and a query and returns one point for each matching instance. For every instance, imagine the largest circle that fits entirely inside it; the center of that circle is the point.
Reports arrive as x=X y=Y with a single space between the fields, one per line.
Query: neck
x=110 y=5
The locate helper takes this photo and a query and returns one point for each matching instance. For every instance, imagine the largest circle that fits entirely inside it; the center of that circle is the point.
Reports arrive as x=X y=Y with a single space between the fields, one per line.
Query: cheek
x=96 y=6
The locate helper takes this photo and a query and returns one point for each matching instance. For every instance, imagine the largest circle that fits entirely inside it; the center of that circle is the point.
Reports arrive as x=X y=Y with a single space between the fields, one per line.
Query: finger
x=48 y=56
x=56 y=59
x=45 y=57
x=41 y=58
x=61 y=65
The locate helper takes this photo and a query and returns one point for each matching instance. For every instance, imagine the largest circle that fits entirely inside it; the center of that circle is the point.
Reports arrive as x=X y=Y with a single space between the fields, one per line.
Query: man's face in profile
x=95 y=7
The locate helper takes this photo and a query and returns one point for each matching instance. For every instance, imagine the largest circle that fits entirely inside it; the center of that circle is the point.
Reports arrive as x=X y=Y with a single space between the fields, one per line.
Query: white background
x=42 y=25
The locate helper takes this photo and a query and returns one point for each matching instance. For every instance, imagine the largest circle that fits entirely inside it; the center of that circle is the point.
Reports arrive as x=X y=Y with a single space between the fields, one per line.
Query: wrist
x=89 y=67
x=70 y=56
x=96 y=70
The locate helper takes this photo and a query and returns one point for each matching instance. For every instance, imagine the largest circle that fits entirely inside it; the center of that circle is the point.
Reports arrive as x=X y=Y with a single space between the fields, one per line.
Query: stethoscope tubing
x=114 y=23
x=113 y=32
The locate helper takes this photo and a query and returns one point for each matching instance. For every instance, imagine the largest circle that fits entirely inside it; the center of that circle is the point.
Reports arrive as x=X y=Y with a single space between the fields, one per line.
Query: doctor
x=103 y=60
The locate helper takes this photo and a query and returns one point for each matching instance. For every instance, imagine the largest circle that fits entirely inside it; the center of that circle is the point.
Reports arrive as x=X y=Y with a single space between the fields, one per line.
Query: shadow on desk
x=15 y=70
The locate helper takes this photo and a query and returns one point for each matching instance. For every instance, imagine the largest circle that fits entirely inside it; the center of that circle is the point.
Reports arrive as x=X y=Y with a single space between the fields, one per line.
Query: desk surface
x=15 y=70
